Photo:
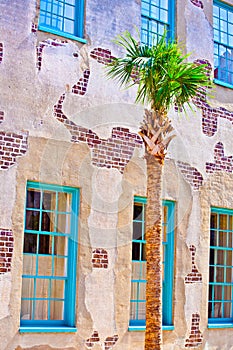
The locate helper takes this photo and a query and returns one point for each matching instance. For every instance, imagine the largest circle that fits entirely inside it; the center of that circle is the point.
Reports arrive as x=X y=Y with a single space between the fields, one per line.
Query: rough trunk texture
x=153 y=338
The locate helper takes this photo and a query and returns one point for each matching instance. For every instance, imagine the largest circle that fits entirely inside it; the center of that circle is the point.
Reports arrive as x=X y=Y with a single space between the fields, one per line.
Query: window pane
x=33 y=199
x=32 y=220
x=56 y=310
x=44 y=265
x=30 y=243
x=28 y=288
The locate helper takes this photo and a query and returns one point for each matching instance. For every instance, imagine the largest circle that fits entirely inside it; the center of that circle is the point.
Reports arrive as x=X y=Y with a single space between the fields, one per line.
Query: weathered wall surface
x=63 y=123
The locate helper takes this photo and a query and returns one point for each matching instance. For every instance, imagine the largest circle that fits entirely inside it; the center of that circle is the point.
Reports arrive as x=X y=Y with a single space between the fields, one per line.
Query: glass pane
x=49 y=200
x=29 y=264
x=41 y=310
x=137 y=230
x=134 y=291
x=44 y=265
x=68 y=26
x=137 y=212
x=142 y=291
x=64 y=202
x=223 y=222
x=133 y=311
x=26 y=309
x=61 y=245
x=57 y=290
x=63 y=223
x=136 y=251
x=228 y=310
x=33 y=199
x=44 y=244
x=42 y=288
x=30 y=243
x=32 y=220
x=60 y=267
x=27 y=287
x=141 y=311
x=56 y=310
x=69 y=11
x=48 y=222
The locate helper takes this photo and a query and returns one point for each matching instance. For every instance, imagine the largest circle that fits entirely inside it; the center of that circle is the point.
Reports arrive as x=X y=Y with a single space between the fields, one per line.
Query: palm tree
x=163 y=78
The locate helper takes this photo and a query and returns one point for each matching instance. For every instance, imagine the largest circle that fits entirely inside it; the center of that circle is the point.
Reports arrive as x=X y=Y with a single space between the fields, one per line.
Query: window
x=62 y=17
x=49 y=257
x=223 y=43
x=157 y=16
x=138 y=282
x=220 y=308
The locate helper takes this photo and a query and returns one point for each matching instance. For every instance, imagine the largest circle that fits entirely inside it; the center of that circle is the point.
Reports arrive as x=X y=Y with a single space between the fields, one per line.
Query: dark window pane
x=44 y=244
x=136 y=251
x=32 y=220
x=33 y=199
x=137 y=230
x=137 y=213
x=30 y=243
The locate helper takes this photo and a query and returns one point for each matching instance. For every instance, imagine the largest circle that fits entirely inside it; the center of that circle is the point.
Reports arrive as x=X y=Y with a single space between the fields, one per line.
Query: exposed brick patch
x=11 y=146
x=1 y=52
x=6 y=250
x=110 y=342
x=1 y=116
x=222 y=163
x=197 y=3
x=191 y=174
x=34 y=28
x=195 y=337
x=92 y=340
x=100 y=258
x=81 y=87
x=194 y=276
x=102 y=56
x=210 y=115
x=114 y=152
x=47 y=43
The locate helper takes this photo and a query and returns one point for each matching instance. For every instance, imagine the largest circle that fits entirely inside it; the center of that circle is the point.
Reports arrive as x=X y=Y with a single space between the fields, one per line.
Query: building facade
x=73 y=180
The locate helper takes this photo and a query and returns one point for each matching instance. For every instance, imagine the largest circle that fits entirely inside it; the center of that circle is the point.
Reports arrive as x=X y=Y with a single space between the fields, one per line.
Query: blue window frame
x=62 y=17
x=156 y=17
x=49 y=258
x=138 y=282
x=220 y=308
x=223 y=43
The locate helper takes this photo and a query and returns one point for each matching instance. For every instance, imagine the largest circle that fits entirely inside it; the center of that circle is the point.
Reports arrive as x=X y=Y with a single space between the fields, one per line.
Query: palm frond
x=164 y=76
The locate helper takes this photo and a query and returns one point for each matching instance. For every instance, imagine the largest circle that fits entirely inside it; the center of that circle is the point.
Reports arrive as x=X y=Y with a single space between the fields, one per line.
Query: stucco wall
x=62 y=122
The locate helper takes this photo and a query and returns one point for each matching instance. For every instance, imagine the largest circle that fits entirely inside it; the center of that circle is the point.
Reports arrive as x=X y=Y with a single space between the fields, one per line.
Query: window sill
x=47 y=329
x=220 y=325
x=62 y=34
x=143 y=328
x=222 y=83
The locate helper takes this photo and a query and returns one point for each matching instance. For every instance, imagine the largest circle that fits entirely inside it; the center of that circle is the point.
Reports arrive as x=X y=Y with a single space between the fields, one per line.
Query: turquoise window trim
x=223 y=44
x=66 y=21
x=62 y=34
x=139 y=324
x=220 y=283
x=143 y=328
x=47 y=330
x=69 y=298
x=150 y=20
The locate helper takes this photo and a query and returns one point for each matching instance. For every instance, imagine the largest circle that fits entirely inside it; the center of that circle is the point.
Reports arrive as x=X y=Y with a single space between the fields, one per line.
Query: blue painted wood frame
x=68 y=322
x=217 y=79
x=170 y=24
x=221 y=322
x=78 y=26
x=167 y=307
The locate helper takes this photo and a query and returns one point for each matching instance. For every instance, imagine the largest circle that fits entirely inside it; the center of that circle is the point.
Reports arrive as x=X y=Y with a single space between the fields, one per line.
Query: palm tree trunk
x=153 y=337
